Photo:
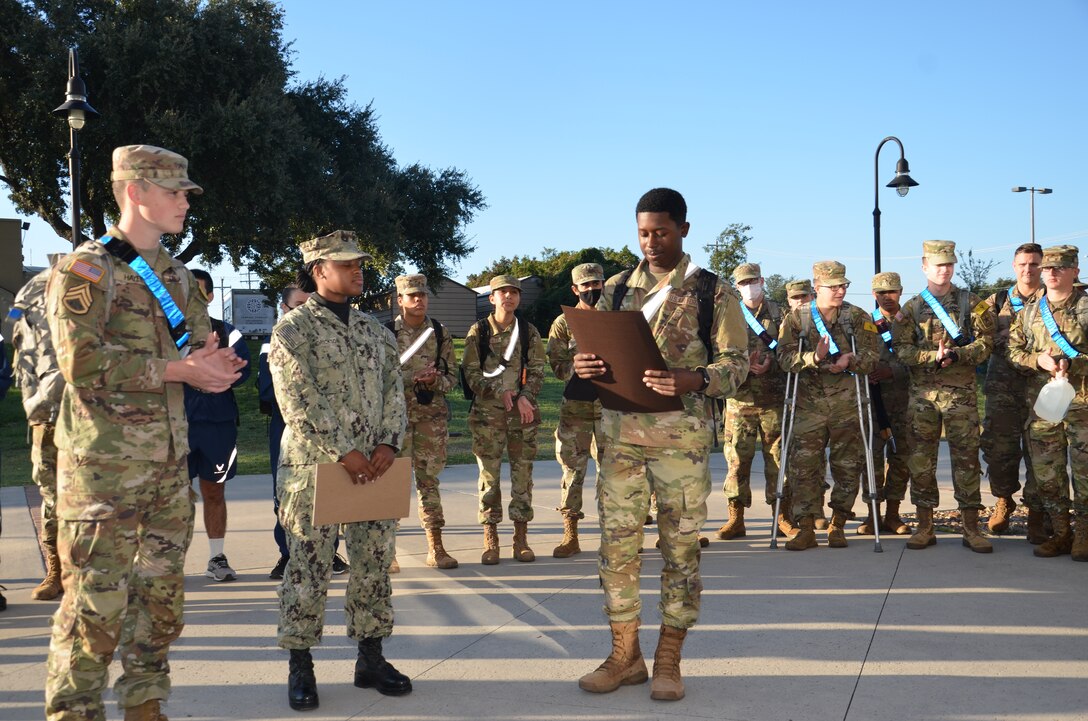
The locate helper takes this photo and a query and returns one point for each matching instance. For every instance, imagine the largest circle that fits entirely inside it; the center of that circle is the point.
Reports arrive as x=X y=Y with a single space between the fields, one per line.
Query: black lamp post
x=1033 y=190
x=77 y=110
x=902 y=182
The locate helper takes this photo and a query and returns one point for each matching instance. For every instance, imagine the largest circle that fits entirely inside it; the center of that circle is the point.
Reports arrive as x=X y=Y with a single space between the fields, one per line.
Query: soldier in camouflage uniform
x=504 y=414
x=755 y=412
x=1045 y=354
x=578 y=435
x=668 y=453
x=124 y=505
x=428 y=374
x=942 y=355
x=338 y=384
x=826 y=342
x=1004 y=425
x=42 y=387
x=799 y=292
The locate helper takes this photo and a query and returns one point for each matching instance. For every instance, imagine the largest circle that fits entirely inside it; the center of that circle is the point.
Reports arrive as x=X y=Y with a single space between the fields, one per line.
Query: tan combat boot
x=436 y=553
x=623 y=667
x=923 y=535
x=147 y=711
x=1036 y=522
x=569 y=545
x=971 y=537
x=490 y=555
x=836 y=538
x=868 y=526
x=786 y=529
x=667 y=684
x=1062 y=541
x=50 y=586
x=999 y=519
x=1080 y=539
x=734 y=527
x=522 y=552
x=892 y=522
x=806 y=535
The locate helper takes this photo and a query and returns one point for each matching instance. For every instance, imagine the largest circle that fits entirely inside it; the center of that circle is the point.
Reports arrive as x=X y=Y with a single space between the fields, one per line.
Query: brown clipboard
x=623 y=340
x=338 y=500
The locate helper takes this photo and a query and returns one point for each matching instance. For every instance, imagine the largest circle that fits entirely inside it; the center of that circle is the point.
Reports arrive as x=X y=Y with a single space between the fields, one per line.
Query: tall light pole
x=902 y=182
x=1033 y=191
x=77 y=110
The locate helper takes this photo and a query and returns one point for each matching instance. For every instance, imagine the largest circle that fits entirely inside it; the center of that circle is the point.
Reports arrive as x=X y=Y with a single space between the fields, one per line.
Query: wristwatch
x=706 y=379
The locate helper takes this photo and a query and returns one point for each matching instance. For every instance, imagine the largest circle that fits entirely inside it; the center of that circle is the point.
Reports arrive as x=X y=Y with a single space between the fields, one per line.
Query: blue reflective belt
x=1017 y=304
x=942 y=315
x=757 y=328
x=884 y=328
x=124 y=251
x=1055 y=334
x=832 y=349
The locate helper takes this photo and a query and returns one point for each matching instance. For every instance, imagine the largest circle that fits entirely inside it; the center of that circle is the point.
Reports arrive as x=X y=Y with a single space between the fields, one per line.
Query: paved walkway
x=941 y=634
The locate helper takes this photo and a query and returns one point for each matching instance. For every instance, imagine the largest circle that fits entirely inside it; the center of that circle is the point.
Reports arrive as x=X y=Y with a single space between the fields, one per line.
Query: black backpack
x=707 y=284
x=483 y=330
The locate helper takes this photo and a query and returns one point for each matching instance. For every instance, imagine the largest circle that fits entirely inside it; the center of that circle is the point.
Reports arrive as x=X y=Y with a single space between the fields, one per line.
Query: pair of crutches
x=865 y=424
x=789 y=405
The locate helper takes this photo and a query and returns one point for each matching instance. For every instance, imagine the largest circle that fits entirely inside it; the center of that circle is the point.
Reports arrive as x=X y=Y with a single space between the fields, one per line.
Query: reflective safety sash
x=758 y=329
x=832 y=348
x=885 y=329
x=122 y=250
x=1015 y=301
x=653 y=301
x=946 y=320
x=1055 y=334
x=507 y=354
x=414 y=348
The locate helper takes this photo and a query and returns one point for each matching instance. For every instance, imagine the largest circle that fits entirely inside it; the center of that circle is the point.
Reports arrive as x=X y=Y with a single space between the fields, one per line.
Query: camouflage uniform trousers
x=681 y=480
x=744 y=424
x=1005 y=441
x=304 y=590
x=43 y=457
x=123 y=531
x=1050 y=445
x=957 y=410
x=577 y=437
x=493 y=429
x=891 y=474
x=823 y=422
x=425 y=443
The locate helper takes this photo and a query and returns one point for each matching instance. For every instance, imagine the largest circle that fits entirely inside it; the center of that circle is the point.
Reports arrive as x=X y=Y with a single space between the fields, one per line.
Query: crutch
x=865 y=425
x=789 y=405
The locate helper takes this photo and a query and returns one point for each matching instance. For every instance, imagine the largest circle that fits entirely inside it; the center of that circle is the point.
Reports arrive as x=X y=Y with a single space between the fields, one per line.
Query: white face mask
x=751 y=291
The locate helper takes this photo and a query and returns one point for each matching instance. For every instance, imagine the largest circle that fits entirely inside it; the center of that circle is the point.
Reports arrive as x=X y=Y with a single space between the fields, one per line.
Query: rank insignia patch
x=77 y=299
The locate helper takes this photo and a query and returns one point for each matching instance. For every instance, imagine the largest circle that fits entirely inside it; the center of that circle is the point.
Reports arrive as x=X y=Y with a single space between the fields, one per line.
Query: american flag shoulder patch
x=86 y=271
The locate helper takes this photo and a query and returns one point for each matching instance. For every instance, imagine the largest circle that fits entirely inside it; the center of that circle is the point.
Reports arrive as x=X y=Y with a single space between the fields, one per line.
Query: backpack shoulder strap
x=706 y=285
x=965 y=313
x=483 y=330
x=391 y=325
x=621 y=288
x=1000 y=300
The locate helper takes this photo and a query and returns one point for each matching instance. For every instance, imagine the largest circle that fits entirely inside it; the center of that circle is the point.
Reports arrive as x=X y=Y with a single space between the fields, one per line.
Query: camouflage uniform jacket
x=1029 y=339
x=561 y=349
x=817 y=381
x=768 y=388
x=113 y=343
x=490 y=390
x=917 y=335
x=1000 y=369
x=675 y=327
x=428 y=353
x=894 y=390
x=338 y=386
x=35 y=359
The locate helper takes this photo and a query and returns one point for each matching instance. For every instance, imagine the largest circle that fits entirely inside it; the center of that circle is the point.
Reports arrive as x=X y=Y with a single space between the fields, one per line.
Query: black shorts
x=213 y=451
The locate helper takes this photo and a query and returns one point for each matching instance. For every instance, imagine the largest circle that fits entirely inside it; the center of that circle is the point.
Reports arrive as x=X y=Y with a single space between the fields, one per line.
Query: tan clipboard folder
x=338 y=500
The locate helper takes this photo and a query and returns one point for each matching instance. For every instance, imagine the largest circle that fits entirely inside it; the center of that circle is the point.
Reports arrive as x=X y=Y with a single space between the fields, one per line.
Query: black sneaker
x=278 y=569
x=220 y=570
x=339 y=565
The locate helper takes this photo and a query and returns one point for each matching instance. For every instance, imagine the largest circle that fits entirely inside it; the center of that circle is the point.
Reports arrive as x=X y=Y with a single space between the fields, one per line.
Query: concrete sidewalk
x=821 y=635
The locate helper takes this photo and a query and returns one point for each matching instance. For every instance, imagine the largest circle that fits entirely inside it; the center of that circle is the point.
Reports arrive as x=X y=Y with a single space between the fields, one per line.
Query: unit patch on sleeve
x=77 y=299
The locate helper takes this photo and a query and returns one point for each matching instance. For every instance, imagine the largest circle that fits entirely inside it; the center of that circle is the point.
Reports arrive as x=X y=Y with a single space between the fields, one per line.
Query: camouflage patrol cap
x=797 y=288
x=408 y=284
x=1061 y=256
x=504 y=281
x=746 y=271
x=162 y=167
x=586 y=273
x=886 y=281
x=829 y=272
x=939 y=251
x=337 y=245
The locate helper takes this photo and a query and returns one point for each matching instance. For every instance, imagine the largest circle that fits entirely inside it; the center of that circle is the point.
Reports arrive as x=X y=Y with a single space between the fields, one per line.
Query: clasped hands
x=675 y=382
x=363 y=469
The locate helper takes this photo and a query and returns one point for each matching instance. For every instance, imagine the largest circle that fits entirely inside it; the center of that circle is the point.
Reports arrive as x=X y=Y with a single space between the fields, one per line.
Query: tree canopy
x=729 y=249
x=280 y=161
x=974 y=272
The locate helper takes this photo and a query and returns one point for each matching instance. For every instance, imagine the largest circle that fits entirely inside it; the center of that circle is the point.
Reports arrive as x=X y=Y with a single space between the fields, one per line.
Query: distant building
x=531 y=288
x=453 y=304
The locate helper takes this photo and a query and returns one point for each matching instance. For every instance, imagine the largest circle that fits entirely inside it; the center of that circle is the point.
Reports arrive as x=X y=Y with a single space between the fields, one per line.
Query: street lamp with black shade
x=77 y=110
x=902 y=182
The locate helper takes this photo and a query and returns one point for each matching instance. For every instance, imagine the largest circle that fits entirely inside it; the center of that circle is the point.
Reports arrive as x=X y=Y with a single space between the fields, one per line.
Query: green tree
x=974 y=272
x=775 y=285
x=729 y=250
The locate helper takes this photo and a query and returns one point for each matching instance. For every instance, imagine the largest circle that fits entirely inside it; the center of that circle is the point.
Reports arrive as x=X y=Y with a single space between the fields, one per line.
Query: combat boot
x=667 y=684
x=147 y=711
x=868 y=526
x=836 y=538
x=786 y=529
x=1062 y=541
x=436 y=553
x=50 y=586
x=806 y=535
x=1080 y=539
x=999 y=519
x=373 y=671
x=971 y=537
x=569 y=546
x=734 y=527
x=923 y=534
x=892 y=522
x=490 y=556
x=301 y=684
x=1035 y=531
x=623 y=667
x=522 y=552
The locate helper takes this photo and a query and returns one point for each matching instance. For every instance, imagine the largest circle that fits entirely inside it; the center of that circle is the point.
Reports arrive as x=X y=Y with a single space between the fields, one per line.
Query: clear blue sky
x=767 y=113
